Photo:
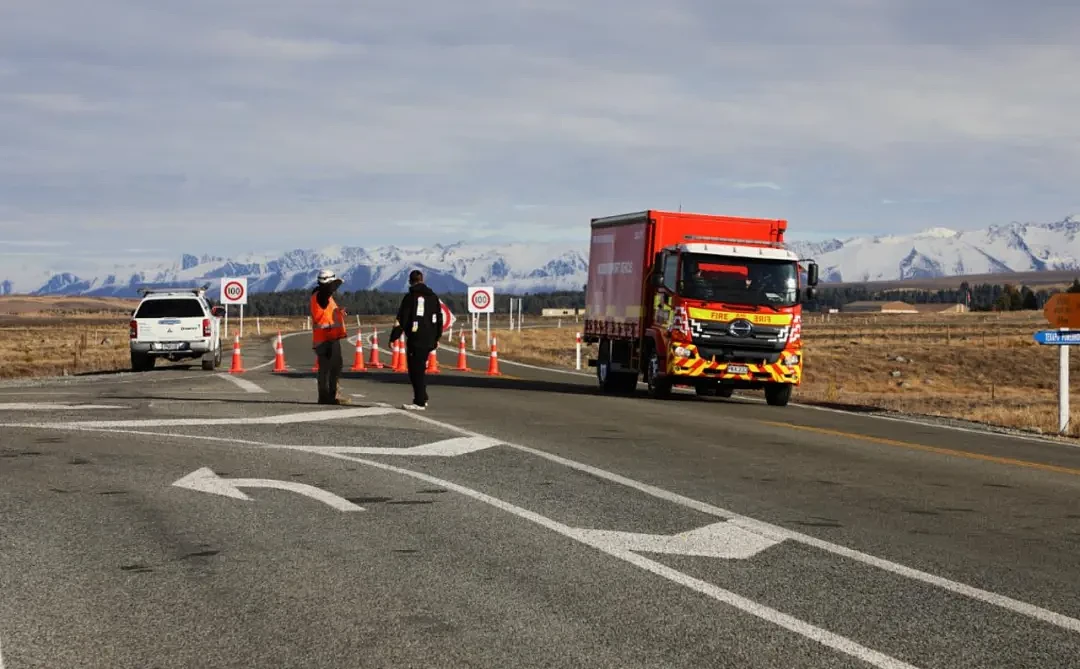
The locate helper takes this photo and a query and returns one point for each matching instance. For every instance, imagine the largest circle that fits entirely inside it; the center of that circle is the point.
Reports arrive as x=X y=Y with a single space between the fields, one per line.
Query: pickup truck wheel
x=141 y=362
x=778 y=394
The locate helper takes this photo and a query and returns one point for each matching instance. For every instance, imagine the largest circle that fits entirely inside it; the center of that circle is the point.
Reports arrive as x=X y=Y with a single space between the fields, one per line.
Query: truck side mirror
x=811 y=275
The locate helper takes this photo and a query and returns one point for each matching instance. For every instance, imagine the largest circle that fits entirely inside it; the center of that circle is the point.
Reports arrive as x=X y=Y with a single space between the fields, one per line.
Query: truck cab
x=726 y=314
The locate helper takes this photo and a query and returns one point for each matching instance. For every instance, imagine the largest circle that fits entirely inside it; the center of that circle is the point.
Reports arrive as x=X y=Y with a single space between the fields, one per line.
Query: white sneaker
x=412 y=407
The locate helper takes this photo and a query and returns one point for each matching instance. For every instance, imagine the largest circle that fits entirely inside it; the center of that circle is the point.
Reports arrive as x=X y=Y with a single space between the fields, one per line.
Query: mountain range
x=538 y=268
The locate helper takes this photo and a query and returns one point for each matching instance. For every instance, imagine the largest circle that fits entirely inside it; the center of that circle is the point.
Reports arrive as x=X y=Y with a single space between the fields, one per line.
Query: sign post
x=234 y=291
x=482 y=301
x=1062 y=311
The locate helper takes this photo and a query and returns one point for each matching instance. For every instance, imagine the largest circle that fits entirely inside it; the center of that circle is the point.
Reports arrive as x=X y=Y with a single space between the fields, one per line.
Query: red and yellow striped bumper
x=695 y=366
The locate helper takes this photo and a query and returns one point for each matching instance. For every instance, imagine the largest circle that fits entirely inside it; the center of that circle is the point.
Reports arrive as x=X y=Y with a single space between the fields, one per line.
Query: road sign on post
x=447 y=316
x=1063 y=339
x=234 y=291
x=1062 y=310
x=482 y=301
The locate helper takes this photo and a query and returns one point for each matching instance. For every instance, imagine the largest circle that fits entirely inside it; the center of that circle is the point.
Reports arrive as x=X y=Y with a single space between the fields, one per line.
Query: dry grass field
x=980 y=367
x=43 y=336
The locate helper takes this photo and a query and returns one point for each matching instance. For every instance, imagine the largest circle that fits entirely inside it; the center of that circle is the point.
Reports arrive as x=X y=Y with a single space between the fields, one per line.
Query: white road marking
x=1 y=657
x=718 y=540
x=791 y=623
x=444 y=448
x=243 y=383
x=205 y=480
x=55 y=406
x=281 y=419
x=780 y=533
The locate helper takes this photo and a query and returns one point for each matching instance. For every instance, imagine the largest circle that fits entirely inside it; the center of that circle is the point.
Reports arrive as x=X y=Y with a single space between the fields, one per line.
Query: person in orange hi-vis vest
x=327 y=331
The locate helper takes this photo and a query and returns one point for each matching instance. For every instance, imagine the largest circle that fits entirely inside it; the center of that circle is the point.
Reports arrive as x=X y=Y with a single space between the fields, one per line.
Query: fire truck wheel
x=778 y=394
x=659 y=387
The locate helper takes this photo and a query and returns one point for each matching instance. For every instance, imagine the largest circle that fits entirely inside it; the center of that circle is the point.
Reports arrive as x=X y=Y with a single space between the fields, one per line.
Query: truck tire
x=724 y=391
x=705 y=390
x=778 y=394
x=141 y=362
x=659 y=387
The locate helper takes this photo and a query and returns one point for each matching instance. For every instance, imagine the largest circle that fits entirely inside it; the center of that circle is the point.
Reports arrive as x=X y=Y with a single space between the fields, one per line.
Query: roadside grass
x=40 y=346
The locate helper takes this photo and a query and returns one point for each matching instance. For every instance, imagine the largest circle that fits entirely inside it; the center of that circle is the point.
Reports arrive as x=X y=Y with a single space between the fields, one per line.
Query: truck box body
x=621 y=254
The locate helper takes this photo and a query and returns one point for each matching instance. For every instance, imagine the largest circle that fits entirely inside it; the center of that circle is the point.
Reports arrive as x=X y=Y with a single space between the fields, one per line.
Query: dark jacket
x=422 y=330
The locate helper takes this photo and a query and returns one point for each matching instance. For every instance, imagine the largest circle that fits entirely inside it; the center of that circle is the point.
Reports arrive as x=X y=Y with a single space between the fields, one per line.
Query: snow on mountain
x=937 y=252
x=537 y=268
x=514 y=269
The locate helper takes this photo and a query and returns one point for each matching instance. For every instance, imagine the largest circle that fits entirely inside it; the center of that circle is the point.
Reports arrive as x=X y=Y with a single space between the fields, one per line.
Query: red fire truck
x=682 y=299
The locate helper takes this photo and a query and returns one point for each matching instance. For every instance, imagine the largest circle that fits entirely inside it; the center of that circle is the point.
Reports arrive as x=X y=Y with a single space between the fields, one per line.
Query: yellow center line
x=929 y=449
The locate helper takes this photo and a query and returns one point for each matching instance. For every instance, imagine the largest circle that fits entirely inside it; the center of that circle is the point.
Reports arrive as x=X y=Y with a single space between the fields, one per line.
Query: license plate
x=172 y=346
x=737 y=369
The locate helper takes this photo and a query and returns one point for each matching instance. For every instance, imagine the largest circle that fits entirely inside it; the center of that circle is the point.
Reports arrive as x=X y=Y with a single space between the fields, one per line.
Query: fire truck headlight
x=791 y=359
x=683 y=352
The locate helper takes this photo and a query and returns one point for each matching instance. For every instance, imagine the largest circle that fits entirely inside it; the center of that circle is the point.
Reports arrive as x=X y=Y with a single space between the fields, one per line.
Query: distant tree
x=1031 y=302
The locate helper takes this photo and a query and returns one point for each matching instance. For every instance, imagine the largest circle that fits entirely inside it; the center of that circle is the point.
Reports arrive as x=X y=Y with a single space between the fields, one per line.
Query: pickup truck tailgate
x=169 y=329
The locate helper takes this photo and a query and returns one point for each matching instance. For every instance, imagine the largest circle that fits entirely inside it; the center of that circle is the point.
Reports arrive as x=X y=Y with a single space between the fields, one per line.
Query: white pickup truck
x=176 y=325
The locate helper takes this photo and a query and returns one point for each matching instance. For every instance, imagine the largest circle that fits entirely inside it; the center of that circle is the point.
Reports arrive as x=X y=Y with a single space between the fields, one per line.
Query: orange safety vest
x=326 y=324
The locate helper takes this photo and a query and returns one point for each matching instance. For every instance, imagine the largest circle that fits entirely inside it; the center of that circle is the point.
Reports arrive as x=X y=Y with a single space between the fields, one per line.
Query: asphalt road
x=182 y=518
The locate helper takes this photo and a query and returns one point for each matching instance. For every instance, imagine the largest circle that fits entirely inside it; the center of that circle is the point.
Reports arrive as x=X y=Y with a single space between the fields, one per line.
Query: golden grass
x=39 y=347
x=985 y=368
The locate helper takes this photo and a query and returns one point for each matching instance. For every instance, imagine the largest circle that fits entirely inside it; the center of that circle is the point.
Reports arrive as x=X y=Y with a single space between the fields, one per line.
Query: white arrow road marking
x=446 y=448
x=205 y=480
x=281 y=419
x=243 y=383
x=55 y=406
x=719 y=540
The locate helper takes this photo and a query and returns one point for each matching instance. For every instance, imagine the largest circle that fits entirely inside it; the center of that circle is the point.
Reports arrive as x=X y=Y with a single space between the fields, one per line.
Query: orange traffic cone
x=374 y=361
x=403 y=365
x=433 y=363
x=279 y=355
x=462 y=364
x=237 y=363
x=493 y=361
x=358 y=359
x=395 y=357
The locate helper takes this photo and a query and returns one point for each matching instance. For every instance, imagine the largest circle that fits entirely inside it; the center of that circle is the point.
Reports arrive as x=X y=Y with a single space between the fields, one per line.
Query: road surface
x=182 y=518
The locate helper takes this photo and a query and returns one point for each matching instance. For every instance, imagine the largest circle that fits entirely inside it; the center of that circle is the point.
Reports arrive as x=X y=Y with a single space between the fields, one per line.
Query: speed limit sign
x=234 y=291
x=481 y=300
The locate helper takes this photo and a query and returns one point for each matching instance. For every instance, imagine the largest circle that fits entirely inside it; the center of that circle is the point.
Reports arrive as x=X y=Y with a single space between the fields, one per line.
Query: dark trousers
x=330 y=365
x=416 y=360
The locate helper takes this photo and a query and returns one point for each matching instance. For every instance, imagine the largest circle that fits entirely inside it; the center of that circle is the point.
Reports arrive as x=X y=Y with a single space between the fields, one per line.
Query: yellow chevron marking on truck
x=760 y=319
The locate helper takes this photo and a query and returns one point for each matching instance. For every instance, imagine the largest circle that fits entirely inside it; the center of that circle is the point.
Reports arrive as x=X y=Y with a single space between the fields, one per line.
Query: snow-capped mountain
x=538 y=268
x=514 y=269
x=938 y=252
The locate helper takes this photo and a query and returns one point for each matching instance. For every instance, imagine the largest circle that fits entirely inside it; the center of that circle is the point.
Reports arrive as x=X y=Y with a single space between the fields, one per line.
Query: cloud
x=228 y=124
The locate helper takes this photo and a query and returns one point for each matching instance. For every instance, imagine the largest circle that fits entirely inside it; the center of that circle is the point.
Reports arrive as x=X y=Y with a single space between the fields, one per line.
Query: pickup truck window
x=170 y=308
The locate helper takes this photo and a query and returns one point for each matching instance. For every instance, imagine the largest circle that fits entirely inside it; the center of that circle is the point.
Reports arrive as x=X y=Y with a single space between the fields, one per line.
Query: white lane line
x=446 y=448
x=55 y=406
x=281 y=419
x=801 y=627
x=777 y=532
x=243 y=383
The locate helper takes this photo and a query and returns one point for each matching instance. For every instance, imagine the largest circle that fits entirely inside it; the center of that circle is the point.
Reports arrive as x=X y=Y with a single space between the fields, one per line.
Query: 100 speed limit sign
x=481 y=300
x=234 y=291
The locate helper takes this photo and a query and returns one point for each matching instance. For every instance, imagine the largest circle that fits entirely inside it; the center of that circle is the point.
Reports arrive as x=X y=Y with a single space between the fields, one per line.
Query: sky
x=228 y=126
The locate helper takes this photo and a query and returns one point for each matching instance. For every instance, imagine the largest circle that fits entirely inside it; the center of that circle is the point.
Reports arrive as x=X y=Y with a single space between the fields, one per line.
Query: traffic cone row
x=398 y=363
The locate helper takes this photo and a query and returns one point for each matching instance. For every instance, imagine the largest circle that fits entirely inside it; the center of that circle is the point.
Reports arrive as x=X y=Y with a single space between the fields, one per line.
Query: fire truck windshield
x=739 y=280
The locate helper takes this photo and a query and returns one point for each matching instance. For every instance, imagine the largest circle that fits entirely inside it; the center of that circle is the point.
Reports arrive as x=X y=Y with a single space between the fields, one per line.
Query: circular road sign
x=481 y=299
x=447 y=316
x=234 y=290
